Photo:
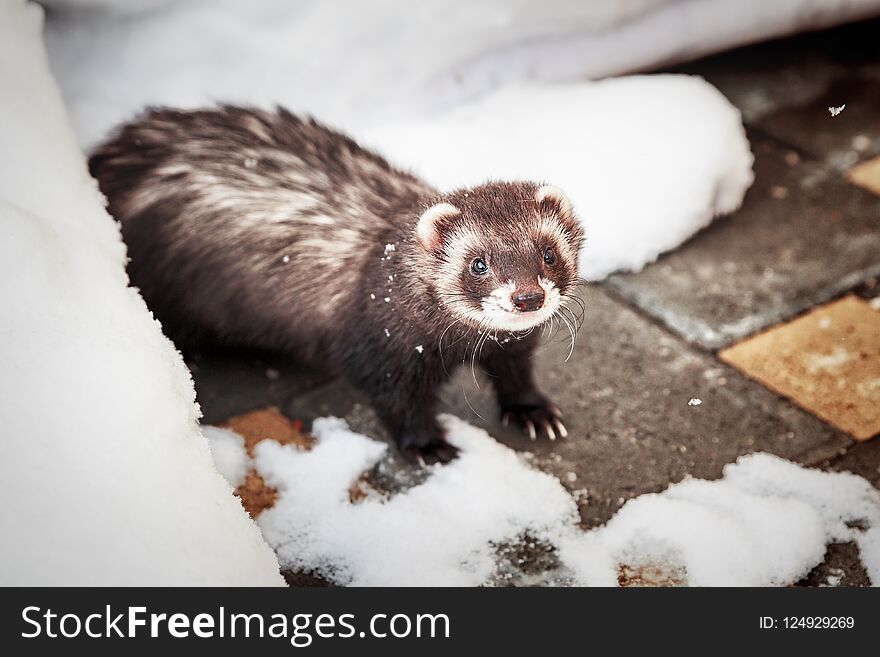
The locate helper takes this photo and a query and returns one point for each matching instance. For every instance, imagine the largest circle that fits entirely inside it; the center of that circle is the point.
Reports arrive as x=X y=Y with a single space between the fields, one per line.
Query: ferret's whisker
x=571 y=331
x=576 y=321
x=440 y=345
x=470 y=406
x=484 y=335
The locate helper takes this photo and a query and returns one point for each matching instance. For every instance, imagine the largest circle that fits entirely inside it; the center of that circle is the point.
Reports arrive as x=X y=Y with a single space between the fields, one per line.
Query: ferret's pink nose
x=528 y=300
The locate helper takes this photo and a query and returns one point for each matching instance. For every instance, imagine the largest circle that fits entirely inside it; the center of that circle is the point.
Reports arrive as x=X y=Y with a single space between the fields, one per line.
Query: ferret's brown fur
x=261 y=229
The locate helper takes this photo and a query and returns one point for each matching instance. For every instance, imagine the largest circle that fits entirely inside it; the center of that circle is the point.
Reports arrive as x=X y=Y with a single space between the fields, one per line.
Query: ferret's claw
x=561 y=428
x=541 y=419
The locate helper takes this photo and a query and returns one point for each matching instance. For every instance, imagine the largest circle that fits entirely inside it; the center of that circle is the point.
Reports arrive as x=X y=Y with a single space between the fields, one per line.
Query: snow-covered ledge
x=111 y=481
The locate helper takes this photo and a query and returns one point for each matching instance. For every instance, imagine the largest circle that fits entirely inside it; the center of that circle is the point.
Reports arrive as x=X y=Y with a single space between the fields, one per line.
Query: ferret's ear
x=552 y=199
x=431 y=224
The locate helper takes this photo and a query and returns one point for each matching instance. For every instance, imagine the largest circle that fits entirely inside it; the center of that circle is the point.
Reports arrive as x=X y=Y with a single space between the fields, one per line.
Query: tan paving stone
x=271 y=424
x=827 y=361
x=267 y=424
x=255 y=426
x=866 y=175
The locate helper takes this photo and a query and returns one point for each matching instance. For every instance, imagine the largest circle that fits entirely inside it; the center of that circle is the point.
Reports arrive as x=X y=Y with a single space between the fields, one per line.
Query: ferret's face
x=506 y=253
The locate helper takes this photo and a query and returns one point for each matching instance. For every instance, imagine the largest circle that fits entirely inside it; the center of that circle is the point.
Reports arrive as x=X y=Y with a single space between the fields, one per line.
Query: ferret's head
x=506 y=253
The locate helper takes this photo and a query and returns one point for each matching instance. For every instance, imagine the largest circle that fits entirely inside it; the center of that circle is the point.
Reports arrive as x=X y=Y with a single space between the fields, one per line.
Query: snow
x=646 y=160
x=674 y=139
x=694 y=401
x=229 y=454
x=421 y=537
x=385 y=64
x=835 y=577
x=111 y=482
x=766 y=522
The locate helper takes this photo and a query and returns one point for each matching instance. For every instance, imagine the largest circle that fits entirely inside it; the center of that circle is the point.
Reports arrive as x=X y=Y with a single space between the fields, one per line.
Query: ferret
x=261 y=229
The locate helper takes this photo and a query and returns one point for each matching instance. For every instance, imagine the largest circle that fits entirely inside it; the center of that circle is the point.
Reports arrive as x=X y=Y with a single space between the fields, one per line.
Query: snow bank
x=647 y=160
x=110 y=480
x=440 y=533
x=385 y=63
x=229 y=454
x=765 y=523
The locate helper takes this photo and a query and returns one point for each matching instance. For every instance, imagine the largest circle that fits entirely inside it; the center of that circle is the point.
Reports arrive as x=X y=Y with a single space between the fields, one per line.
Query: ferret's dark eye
x=479 y=267
x=549 y=256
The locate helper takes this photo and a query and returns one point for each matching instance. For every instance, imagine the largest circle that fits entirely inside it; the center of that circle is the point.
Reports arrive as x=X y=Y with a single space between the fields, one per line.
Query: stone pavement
x=806 y=235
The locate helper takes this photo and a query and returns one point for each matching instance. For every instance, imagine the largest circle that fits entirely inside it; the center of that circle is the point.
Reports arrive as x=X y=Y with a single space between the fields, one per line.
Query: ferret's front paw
x=540 y=418
x=428 y=452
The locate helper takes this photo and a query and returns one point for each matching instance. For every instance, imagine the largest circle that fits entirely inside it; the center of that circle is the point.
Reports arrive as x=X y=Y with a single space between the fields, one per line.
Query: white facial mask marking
x=552 y=297
x=500 y=313
x=500 y=296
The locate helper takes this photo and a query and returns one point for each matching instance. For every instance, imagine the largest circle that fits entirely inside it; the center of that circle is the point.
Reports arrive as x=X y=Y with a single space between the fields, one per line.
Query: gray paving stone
x=769 y=77
x=842 y=140
x=870 y=290
x=802 y=237
x=625 y=393
x=842 y=567
x=231 y=383
x=851 y=55
x=862 y=459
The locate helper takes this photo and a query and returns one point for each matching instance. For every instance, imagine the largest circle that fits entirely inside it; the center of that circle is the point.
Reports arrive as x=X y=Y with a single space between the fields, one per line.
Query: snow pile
x=355 y=63
x=228 y=452
x=110 y=481
x=765 y=523
x=647 y=160
x=848 y=505
x=440 y=533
